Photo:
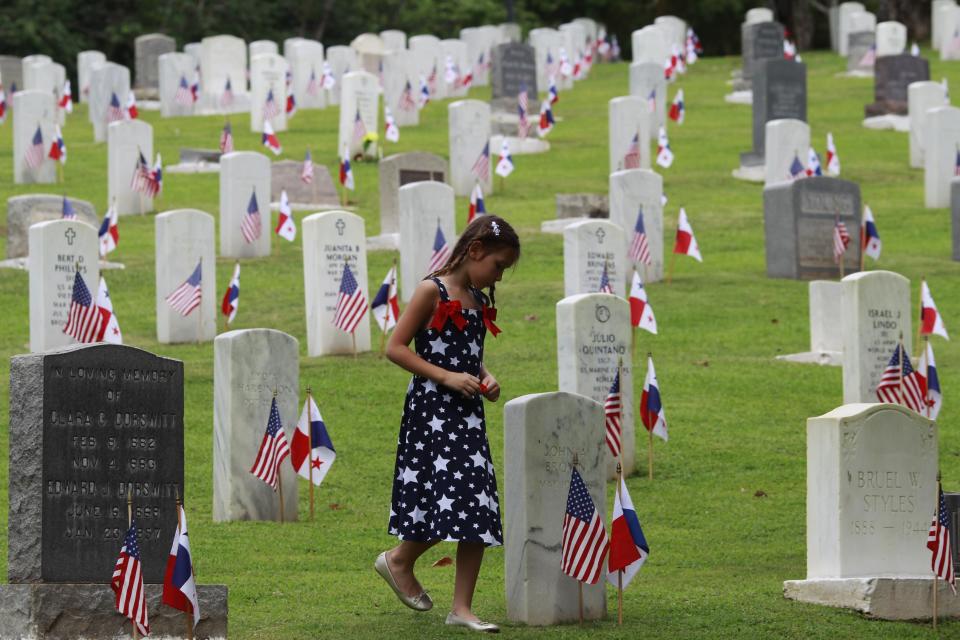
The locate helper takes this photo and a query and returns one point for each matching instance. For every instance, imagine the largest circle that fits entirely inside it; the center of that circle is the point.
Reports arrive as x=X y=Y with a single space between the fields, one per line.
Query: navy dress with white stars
x=444 y=487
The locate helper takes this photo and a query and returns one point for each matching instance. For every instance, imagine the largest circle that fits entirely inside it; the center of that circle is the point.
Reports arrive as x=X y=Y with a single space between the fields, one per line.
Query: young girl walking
x=444 y=488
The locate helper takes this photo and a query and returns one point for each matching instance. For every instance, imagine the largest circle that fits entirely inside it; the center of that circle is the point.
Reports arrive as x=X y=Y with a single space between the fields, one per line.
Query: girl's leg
x=401 y=559
x=469 y=557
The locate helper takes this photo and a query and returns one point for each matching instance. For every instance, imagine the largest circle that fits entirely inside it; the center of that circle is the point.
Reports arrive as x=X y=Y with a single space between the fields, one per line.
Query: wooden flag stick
x=863 y=237
x=310 y=428
x=936 y=575
x=620 y=571
x=133 y=622
x=353 y=339
x=576 y=460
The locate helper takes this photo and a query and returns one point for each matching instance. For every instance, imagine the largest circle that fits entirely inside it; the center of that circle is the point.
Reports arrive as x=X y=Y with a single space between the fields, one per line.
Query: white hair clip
x=495 y=227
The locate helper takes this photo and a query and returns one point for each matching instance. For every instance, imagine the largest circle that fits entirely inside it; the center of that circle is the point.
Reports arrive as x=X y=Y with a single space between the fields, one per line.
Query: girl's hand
x=490 y=388
x=466 y=384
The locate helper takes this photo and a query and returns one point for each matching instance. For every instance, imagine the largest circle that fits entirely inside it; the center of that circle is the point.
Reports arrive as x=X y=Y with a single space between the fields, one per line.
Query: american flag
x=250 y=225
x=306 y=174
x=270 y=108
x=956 y=164
x=481 y=167
x=34 y=154
x=605 y=286
x=86 y=322
x=914 y=388
x=67 y=210
x=441 y=251
x=639 y=249
x=183 y=95
x=142 y=179
x=938 y=541
x=188 y=295
x=114 y=111
x=611 y=410
x=841 y=238
x=631 y=160
x=432 y=80
x=523 y=123
x=407 y=103
x=584 y=543
x=226 y=139
x=226 y=98
x=359 y=129
x=127 y=582
x=313 y=87
x=273 y=449
x=351 y=303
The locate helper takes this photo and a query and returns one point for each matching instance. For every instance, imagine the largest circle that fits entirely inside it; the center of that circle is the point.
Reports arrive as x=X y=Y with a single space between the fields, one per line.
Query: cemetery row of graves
x=771 y=312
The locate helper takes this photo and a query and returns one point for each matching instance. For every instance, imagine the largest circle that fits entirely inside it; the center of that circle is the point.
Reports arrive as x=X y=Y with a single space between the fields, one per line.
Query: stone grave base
x=241 y=104
x=823 y=358
x=519 y=146
x=34 y=611
x=739 y=97
x=313 y=206
x=384 y=242
x=884 y=598
x=558 y=225
x=856 y=73
x=193 y=167
x=22 y=263
x=888 y=121
x=753 y=173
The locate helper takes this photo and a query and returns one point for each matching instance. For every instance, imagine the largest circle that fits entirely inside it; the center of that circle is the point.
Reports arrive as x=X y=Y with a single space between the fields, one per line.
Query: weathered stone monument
x=147 y=50
x=892 y=75
x=941 y=143
x=33 y=111
x=779 y=91
x=860 y=58
x=514 y=68
x=398 y=170
x=184 y=238
x=127 y=142
x=27 y=210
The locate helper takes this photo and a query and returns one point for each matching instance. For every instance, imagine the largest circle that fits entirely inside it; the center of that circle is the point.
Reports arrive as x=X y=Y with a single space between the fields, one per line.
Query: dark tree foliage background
x=62 y=28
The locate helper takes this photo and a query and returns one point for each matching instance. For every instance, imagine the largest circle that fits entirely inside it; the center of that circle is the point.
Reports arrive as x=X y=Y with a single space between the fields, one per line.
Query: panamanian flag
x=628 y=546
x=311 y=451
x=179 y=587
x=651 y=407
x=927 y=369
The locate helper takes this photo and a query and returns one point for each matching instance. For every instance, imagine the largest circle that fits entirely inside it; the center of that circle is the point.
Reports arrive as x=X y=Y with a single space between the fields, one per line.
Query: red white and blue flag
x=231 y=299
x=306 y=173
x=406 y=102
x=351 y=303
x=641 y=313
x=195 y=85
x=481 y=166
x=386 y=305
x=179 y=585
x=291 y=105
x=605 y=286
x=639 y=247
x=813 y=163
x=142 y=179
x=631 y=159
x=523 y=123
x=870 y=237
x=664 y=153
x=677 y=108
x=896 y=377
x=584 y=541
x=686 y=242
x=270 y=108
x=612 y=411
x=270 y=139
x=286 y=225
x=552 y=92
x=359 y=129
x=546 y=123
x=187 y=297
x=833 y=160
x=86 y=321
x=927 y=370
x=114 y=110
x=651 y=407
x=477 y=208
x=127 y=582
x=432 y=80
x=273 y=449
x=109 y=233
x=869 y=57
x=628 y=546
x=33 y=156
x=441 y=251
x=58 y=148
x=424 y=92
x=550 y=66
x=313 y=85
x=311 y=450
x=226 y=138
x=652 y=100
x=931 y=322
x=67 y=212
x=391 y=130
x=3 y=104
x=451 y=74
x=346 y=173
x=566 y=69
x=183 y=95
x=841 y=239
x=328 y=81
x=111 y=332
x=130 y=111
x=66 y=99
x=938 y=542
x=226 y=98
x=156 y=176
x=505 y=164
x=797 y=169
x=250 y=225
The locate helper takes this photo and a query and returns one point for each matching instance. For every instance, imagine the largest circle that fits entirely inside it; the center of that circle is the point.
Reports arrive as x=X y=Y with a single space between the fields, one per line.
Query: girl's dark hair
x=492 y=232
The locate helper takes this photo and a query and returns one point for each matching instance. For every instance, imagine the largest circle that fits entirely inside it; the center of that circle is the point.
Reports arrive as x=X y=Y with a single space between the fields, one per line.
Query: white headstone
x=86 y=62
x=876 y=310
x=646 y=77
x=921 y=97
x=861 y=21
x=39 y=74
x=424 y=206
x=784 y=141
x=826 y=316
x=260 y=47
x=287 y=47
x=891 y=38
x=469 y=134
x=631 y=191
x=106 y=81
x=935 y=25
x=268 y=73
x=759 y=14
x=242 y=174
x=546 y=43
x=676 y=30
x=331 y=240
x=370 y=50
x=394 y=39
x=941 y=138
x=398 y=71
x=429 y=57
x=577 y=37
x=306 y=67
x=248 y=367
x=456 y=51
x=360 y=95
x=194 y=50
x=126 y=140
x=593 y=334
x=948 y=19
x=342 y=60
x=224 y=58
x=629 y=117
x=844 y=28
x=590 y=26
x=58 y=248
x=184 y=237
x=33 y=109
x=542 y=432
x=588 y=247
x=650 y=44
x=174 y=68
x=478 y=44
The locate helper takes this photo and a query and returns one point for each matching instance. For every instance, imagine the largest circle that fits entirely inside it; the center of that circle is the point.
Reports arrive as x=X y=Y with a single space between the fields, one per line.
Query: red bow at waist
x=450 y=310
x=489 y=315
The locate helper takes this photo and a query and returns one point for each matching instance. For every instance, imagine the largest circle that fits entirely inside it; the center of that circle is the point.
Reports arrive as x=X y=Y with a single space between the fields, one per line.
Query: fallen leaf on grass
x=760 y=494
x=334 y=506
x=445 y=561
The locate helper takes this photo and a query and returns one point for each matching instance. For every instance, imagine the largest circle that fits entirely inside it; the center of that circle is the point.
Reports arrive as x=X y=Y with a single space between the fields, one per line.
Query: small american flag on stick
x=611 y=410
x=250 y=226
x=351 y=303
x=188 y=295
x=273 y=449
x=481 y=167
x=841 y=238
x=34 y=153
x=86 y=321
x=584 y=543
x=127 y=582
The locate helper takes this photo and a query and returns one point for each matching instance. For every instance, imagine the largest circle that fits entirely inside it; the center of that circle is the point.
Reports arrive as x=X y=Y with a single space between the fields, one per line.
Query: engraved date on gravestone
x=885 y=503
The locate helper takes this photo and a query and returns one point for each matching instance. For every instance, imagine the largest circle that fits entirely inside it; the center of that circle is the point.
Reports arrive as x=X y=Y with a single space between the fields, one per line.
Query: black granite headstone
x=513 y=67
x=798 y=222
x=953 y=507
x=892 y=75
x=88 y=424
x=779 y=91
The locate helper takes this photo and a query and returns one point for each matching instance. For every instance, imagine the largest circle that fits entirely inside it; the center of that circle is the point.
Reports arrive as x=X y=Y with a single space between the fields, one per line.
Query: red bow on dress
x=489 y=315
x=448 y=310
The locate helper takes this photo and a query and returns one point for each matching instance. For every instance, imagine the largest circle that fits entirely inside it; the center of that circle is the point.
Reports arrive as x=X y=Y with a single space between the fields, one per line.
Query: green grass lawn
x=719 y=555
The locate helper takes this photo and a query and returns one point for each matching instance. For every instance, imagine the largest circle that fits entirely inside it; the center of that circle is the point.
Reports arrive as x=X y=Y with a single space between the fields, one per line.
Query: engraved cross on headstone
x=340 y=225
x=600 y=233
x=70 y=234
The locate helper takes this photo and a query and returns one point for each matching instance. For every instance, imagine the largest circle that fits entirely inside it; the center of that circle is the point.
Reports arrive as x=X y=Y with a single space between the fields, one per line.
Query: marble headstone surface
x=650 y=44
x=936 y=24
x=126 y=140
x=306 y=70
x=331 y=240
x=631 y=192
x=174 y=68
x=399 y=72
x=785 y=140
x=629 y=116
x=859 y=59
x=27 y=210
x=955 y=216
x=588 y=247
x=359 y=95
x=261 y=47
x=826 y=340
x=249 y=365
x=758 y=14
x=546 y=43
x=941 y=143
x=542 y=433
x=845 y=24
x=106 y=80
x=268 y=72
x=32 y=109
x=455 y=51
x=342 y=60
x=58 y=249
x=223 y=58
x=921 y=97
x=469 y=133
x=424 y=206
x=891 y=38
x=11 y=72
x=394 y=39
x=398 y=170
x=647 y=77
x=593 y=334
x=243 y=173
x=876 y=311
x=147 y=50
x=184 y=237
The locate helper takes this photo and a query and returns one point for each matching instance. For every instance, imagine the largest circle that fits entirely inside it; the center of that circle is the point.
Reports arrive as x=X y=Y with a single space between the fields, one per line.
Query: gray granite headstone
x=285 y=175
x=514 y=65
x=798 y=220
x=147 y=50
x=582 y=205
x=763 y=41
x=858 y=45
x=26 y=210
x=11 y=72
x=892 y=75
x=955 y=216
x=398 y=170
x=779 y=91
